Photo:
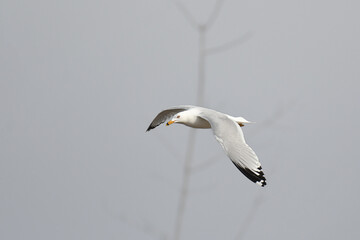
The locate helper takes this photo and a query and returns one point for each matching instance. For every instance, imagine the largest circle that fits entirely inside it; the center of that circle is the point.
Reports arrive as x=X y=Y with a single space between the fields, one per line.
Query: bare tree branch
x=250 y=217
x=214 y=15
x=144 y=227
x=279 y=113
x=204 y=188
x=207 y=163
x=202 y=54
x=201 y=66
x=169 y=147
x=185 y=184
x=229 y=45
x=187 y=15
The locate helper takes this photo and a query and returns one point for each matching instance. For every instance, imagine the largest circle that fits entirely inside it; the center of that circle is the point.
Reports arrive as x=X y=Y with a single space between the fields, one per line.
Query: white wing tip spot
x=262 y=183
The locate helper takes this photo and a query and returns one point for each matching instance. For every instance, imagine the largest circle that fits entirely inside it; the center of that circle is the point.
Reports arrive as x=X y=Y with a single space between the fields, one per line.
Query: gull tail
x=240 y=120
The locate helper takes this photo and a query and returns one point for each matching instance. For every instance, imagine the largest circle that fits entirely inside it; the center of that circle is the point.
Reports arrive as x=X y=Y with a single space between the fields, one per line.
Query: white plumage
x=227 y=132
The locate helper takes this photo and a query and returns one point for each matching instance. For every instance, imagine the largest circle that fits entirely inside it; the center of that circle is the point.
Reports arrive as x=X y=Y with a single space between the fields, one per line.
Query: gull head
x=178 y=118
x=189 y=118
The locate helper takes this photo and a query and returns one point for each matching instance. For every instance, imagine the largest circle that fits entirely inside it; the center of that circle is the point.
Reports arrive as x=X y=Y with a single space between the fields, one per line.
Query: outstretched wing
x=230 y=136
x=167 y=114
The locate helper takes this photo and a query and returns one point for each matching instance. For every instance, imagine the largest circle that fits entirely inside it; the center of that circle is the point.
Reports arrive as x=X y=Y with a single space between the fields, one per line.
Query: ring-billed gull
x=227 y=132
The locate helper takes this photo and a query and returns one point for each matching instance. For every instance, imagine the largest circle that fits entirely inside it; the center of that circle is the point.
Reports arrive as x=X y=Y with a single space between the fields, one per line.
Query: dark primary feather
x=252 y=176
x=165 y=115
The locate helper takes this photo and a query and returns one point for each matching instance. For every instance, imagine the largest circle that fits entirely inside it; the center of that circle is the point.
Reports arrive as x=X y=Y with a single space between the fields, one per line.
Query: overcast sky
x=80 y=81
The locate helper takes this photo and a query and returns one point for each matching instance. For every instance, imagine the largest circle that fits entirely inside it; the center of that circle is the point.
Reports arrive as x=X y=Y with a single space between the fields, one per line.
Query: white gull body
x=227 y=131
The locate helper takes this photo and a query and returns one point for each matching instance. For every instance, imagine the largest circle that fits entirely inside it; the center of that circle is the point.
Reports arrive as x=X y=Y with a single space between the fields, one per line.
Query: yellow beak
x=169 y=123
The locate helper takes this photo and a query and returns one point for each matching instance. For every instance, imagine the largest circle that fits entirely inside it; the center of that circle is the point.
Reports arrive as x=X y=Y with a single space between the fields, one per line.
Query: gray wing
x=167 y=114
x=230 y=136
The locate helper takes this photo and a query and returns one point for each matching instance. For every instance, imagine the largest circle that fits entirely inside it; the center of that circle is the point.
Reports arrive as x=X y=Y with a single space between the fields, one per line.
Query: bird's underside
x=227 y=132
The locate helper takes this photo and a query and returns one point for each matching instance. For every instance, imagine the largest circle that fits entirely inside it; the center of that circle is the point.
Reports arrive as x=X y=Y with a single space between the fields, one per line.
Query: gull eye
x=178 y=116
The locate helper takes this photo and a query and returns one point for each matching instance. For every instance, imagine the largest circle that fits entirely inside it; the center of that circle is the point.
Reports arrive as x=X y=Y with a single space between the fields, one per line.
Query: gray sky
x=81 y=80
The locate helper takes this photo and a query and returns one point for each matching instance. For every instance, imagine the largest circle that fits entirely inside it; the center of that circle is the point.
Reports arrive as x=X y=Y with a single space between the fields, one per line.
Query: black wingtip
x=262 y=183
x=149 y=128
x=257 y=177
x=152 y=126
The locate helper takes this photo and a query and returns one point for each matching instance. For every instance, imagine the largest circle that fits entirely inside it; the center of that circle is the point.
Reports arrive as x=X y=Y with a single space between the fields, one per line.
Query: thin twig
x=214 y=15
x=229 y=45
x=202 y=54
x=146 y=228
x=185 y=185
x=201 y=67
x=169 y=147
x=187 y=15
x=207 y=163
x=278 y=114
x=250 y=217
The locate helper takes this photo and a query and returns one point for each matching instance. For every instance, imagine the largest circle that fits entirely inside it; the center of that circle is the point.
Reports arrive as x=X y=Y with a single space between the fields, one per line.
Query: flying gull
x=227 y=132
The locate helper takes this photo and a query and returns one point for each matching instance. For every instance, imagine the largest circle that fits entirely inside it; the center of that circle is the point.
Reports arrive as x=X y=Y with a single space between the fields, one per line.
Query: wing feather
x=167 y=114
x=230 y=136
